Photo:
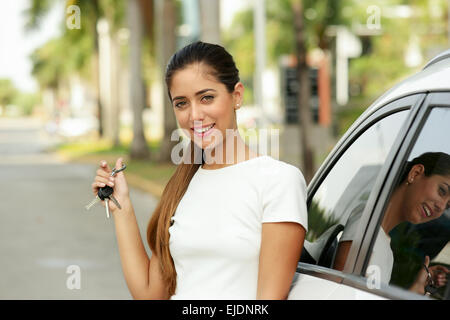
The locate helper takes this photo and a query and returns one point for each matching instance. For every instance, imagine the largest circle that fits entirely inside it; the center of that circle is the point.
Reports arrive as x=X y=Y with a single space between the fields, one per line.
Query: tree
x=87 y=57
x=304 y=91
x=210 y=21
x=139 y=149
x=167 y=46
x=91 y=11
x=7 y=92
x=285 y=19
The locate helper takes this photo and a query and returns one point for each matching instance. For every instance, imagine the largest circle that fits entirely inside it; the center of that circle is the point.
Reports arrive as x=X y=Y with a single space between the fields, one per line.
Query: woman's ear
x=416 y=170
x=238 y=95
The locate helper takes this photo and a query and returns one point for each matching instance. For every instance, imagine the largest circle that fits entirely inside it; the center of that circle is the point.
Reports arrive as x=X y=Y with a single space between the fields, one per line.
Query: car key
x=105 y=193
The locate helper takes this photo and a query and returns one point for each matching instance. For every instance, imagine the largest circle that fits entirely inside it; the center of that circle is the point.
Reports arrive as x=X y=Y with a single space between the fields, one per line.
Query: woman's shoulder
x=274 y=171
x=276 y=166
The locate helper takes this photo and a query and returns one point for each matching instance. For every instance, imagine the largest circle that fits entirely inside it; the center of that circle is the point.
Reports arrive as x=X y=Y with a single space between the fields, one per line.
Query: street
x=44 y=227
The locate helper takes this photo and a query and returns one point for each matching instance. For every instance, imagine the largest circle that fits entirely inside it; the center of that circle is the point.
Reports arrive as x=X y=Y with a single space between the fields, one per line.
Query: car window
x=342 y=196
x=416 y=222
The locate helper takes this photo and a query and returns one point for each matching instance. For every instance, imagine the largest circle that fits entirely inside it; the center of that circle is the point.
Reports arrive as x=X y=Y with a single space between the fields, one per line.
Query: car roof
x=435 y=76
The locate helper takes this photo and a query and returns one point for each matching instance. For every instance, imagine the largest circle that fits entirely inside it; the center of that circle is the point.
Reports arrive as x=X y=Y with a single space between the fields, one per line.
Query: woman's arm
x=281 y=245
x=341 y=255
x=142 y=275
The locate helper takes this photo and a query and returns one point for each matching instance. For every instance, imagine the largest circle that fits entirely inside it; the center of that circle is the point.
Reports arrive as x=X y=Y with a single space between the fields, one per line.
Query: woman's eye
x=208 y=98
x=180 y=104
x=442 y=191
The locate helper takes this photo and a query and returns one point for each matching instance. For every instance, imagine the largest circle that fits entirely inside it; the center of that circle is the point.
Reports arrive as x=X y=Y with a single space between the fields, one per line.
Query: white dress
x=215 y=237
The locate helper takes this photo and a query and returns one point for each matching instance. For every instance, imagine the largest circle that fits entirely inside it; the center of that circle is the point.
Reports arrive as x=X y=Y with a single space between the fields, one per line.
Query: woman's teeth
x=204 y=129
x=427 y=212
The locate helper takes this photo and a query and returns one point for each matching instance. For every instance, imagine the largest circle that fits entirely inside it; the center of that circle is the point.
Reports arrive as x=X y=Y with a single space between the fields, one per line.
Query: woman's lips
x=425 y=208
x=204 y=134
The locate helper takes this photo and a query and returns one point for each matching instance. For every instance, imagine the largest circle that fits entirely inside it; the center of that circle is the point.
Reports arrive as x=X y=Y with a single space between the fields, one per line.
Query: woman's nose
x=197 y=112
x=441 y=204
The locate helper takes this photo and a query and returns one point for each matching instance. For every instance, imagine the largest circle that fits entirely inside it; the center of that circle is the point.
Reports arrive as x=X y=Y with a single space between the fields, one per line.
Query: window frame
x=432 y=100
x=350 y=275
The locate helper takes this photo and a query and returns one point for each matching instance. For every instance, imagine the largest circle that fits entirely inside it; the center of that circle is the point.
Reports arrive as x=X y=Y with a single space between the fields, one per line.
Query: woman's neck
x=239 y=152
x=393 y=215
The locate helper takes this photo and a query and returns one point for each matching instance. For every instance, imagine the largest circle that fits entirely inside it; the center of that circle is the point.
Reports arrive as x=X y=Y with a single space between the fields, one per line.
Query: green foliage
x=318 y=221
x=36 y=12
x=74 y=50
x=49 y=63
x=7 y=92
x=26 y=102
x=346 y=116
x=242 y=50
x=383 y=63
x=280 y=33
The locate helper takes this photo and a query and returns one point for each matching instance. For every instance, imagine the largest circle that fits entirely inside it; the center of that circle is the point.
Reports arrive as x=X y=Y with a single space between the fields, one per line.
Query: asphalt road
x=45 y=229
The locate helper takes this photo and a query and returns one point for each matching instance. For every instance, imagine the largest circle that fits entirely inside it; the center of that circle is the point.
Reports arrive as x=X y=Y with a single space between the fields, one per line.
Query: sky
x=16 y=44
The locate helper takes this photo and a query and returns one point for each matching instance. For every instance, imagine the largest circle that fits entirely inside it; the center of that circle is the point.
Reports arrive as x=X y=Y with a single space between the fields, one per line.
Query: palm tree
x=7 y=93
x=91 y=12
x=304 y=91
x=139 y=149
x=167 y=46
x=210 y=21
x=113 y=10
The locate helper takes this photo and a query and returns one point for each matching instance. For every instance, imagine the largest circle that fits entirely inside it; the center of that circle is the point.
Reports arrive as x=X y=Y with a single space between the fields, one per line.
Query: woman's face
x=202 y=103
x=426 y=198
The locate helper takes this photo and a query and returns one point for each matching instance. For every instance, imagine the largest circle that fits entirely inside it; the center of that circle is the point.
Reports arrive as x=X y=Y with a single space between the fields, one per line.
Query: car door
x=345 y=187
x=416 y=236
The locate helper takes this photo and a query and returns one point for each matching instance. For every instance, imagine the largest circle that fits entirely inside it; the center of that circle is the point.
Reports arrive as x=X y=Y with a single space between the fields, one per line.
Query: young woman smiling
x=230 y=227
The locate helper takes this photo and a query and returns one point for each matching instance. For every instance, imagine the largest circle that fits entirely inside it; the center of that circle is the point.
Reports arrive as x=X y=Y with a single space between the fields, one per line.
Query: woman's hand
x=438 y=274
x=118 y=182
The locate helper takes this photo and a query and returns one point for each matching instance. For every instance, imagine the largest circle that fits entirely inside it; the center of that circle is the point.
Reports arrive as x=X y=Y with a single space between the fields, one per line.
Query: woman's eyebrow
x=203 y=91
x=197 y=93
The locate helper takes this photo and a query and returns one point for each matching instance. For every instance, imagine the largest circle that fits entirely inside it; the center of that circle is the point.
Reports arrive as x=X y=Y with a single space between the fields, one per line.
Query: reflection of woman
x=422 y=195
x=230 y=228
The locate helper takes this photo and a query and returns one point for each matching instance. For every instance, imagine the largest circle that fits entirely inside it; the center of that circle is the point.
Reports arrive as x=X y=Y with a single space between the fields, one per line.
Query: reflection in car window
x=415 y=230
x=411 y=249
x=345 y=190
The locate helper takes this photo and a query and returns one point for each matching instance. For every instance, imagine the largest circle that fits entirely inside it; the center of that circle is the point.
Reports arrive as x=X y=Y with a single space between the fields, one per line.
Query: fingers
x=119 y=163
x=442 y=268
x=107 y=181
x=427 y=261
x=440 y=279
x=104 y=166
x=100 y=182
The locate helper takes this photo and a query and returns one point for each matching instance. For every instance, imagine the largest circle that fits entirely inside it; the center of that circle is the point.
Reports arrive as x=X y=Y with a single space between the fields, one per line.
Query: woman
x=230 y=227
x=422 y=195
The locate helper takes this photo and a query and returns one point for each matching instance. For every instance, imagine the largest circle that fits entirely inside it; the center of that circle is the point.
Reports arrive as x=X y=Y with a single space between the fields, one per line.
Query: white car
x=353 y=188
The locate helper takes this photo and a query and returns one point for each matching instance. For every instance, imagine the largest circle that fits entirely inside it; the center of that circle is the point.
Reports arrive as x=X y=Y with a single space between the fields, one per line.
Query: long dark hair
x=434 y=163
x=221 y=65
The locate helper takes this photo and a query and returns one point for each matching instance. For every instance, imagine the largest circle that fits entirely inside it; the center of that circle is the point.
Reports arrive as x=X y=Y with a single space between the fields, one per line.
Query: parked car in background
x=358 y=179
